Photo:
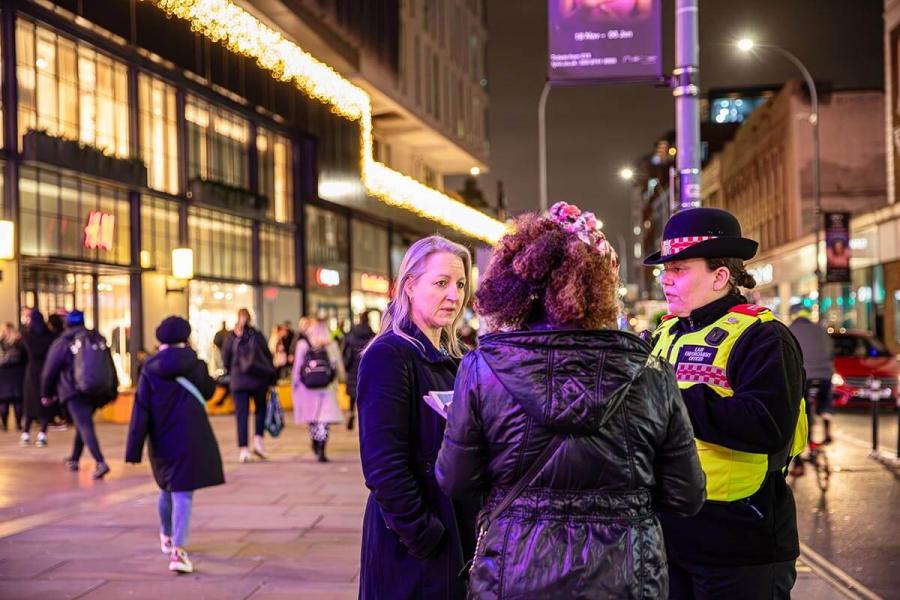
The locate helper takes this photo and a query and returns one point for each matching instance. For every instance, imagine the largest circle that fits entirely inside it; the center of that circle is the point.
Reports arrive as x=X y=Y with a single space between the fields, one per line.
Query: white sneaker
x=41 y=440
x=180 y=563
x=24 y=439
x=258 y=449
x=244 y=455
x=165 y=543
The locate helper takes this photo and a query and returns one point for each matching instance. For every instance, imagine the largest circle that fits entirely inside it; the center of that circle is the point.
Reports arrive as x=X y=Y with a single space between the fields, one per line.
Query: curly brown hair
x=540 y=266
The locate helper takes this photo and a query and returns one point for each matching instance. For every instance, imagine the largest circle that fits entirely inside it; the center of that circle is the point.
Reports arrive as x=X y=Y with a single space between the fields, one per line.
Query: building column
x=10 y=273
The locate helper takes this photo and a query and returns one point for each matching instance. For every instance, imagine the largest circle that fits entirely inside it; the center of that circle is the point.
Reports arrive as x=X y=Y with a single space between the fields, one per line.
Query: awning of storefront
x=223 y=21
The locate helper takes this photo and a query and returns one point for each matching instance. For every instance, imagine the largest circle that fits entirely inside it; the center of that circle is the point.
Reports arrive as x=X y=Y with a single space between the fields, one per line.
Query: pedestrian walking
x=81 y=375
x=415 y=539
x=37 y=337
x=170 y=410
x=314 y=384
x=740 y=372
x=818 y=362
x=248 y=363
x=354 y=343
x=13 y=361
x=573 y=431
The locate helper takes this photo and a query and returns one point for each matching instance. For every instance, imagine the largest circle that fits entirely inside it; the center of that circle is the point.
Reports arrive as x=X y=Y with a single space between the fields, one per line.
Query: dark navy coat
x=184 y=453
x=37 y=339
x=415 y=539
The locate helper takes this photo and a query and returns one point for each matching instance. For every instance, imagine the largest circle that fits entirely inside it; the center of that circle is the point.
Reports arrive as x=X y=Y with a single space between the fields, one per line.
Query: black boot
x=321 y=452
x=350 y=422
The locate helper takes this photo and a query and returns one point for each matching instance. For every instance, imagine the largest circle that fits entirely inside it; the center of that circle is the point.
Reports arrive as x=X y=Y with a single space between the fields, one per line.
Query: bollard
x=873 y=386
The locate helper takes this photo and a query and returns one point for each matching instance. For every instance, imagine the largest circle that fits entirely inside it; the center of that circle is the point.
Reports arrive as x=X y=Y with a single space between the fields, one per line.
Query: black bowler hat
x=703 y=233
x=173 y=330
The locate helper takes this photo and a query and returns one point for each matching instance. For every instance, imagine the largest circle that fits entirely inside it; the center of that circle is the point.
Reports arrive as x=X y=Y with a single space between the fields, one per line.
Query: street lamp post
x=747 y=45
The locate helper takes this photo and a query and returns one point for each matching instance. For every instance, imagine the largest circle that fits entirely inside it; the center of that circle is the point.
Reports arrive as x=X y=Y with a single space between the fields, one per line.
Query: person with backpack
x=80 y=373
x=248 y=363
x=170 y=409
x=317 y=370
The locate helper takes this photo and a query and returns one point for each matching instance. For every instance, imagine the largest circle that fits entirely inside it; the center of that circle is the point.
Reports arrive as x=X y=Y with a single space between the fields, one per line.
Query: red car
x=859 y=356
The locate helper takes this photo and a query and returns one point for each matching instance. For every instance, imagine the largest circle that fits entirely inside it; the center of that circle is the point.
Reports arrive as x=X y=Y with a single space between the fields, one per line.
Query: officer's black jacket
x=765 y=371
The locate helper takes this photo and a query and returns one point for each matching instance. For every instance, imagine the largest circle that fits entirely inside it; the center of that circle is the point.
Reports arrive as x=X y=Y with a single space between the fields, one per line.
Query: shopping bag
x=274 y=414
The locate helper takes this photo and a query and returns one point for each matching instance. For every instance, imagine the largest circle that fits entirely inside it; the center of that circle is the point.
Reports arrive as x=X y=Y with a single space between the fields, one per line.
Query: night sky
x=594 y=131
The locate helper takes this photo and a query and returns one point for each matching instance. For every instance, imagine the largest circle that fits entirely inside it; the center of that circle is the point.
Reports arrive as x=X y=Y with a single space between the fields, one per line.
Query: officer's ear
x=722 y=279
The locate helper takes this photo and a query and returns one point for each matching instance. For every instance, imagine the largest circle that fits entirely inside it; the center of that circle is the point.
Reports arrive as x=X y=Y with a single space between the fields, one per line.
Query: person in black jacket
x=560 y=376
x=415 y=539
x=741 y=376
x=248 y=362
x=170 y=409
x=60 y=381
x=37 y=338
x=12 y=374
x=354 y=343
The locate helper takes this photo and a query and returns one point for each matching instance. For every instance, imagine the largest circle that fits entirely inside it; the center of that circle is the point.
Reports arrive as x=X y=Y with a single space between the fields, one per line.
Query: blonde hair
x=318 y=334
x=399 y=311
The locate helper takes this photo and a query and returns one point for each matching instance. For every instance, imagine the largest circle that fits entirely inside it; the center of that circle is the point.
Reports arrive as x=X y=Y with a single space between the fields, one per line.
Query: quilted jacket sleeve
x=680 y=482
x=463 y=460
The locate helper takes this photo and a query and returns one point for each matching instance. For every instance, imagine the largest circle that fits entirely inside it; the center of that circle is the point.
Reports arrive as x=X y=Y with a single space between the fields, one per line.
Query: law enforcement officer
x=740 y=372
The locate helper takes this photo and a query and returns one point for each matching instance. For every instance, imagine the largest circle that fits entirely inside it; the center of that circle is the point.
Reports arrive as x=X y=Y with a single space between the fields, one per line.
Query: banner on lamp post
x=604 y=41
x=837 y=247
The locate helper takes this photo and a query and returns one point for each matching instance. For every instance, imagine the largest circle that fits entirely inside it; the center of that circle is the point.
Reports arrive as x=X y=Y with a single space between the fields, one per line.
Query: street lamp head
x=745 y=44
x=474 y=171
x=626 y=173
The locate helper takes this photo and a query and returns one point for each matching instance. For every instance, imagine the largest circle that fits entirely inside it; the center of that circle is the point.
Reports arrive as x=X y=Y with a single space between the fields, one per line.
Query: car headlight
x=836 y=379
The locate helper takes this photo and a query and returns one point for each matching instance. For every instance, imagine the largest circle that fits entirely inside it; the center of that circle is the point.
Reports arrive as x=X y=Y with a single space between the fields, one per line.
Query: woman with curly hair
x=575 y=434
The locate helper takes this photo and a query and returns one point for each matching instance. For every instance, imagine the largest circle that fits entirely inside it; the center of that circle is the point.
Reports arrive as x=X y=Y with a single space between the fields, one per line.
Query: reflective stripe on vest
x=701 y=358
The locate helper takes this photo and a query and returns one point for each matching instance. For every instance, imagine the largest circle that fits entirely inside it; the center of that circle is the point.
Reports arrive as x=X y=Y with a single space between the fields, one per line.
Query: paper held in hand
x=439 y=401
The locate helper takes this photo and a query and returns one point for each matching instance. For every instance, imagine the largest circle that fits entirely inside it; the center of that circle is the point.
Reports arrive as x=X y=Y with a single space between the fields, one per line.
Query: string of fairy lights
x=225 y=22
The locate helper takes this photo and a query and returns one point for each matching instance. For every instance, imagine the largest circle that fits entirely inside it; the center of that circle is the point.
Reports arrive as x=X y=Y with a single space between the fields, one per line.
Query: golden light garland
x=242 y=33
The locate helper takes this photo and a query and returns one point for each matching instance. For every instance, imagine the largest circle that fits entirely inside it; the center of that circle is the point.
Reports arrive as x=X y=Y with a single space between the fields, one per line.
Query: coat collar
x=430 y=354
x=708 y=314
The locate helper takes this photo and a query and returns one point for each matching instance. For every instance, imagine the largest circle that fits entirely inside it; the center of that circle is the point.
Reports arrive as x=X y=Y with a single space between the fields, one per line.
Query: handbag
x=192 y=389
x=274 y=414
x=538 y=465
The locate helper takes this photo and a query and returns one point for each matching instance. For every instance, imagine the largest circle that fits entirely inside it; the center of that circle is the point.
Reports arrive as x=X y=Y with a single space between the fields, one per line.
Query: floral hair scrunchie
x=584 y=226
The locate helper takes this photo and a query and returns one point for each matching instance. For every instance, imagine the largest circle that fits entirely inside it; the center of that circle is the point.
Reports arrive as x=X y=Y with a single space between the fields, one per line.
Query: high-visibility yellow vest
x=701 y=358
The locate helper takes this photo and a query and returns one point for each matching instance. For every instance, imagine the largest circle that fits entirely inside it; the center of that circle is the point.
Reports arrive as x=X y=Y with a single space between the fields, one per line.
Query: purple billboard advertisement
x=837 y=247
x=604 y=40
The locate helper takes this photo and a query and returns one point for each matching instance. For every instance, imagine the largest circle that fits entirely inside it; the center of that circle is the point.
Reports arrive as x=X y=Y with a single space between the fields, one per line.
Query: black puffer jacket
x=586 y=527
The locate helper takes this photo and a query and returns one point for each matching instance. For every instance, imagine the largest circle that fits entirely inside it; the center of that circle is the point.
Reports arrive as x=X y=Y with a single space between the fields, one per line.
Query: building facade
x=129 y=135
x=764 y=177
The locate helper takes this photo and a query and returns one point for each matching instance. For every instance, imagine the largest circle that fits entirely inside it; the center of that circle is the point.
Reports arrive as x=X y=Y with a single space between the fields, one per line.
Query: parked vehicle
x=859 y=358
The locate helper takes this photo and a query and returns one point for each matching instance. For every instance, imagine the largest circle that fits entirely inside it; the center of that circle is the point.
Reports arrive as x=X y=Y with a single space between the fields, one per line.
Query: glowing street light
x=474 y=171
x=626 y=173
x=745 y=44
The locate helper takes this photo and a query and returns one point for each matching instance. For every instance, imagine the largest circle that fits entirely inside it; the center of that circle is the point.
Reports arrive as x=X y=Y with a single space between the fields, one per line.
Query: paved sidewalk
x=286 y=528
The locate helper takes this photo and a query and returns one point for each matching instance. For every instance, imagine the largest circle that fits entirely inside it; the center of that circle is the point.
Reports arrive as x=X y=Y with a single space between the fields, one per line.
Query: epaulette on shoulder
x=667 y=317
x=754 y=310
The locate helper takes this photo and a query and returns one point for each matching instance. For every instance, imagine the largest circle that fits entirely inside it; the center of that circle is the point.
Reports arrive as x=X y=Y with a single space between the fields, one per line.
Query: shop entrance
x=104 y=299
x=212 y=304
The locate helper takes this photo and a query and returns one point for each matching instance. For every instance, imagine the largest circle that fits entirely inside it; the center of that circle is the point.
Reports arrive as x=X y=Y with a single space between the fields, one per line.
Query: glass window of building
x=69 y=89
x=65 y=216
x=276 y=174
x=327 y=269
x=158 y=132
x=210 y=305
x=159 y=232
x=217 y=143
x=222 y=244
x=276 y=255
x=400 y=243
x=371 y=279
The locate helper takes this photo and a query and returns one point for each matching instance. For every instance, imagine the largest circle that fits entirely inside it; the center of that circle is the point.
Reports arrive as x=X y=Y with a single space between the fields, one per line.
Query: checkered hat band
x=676 y=245
x=708 y=374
